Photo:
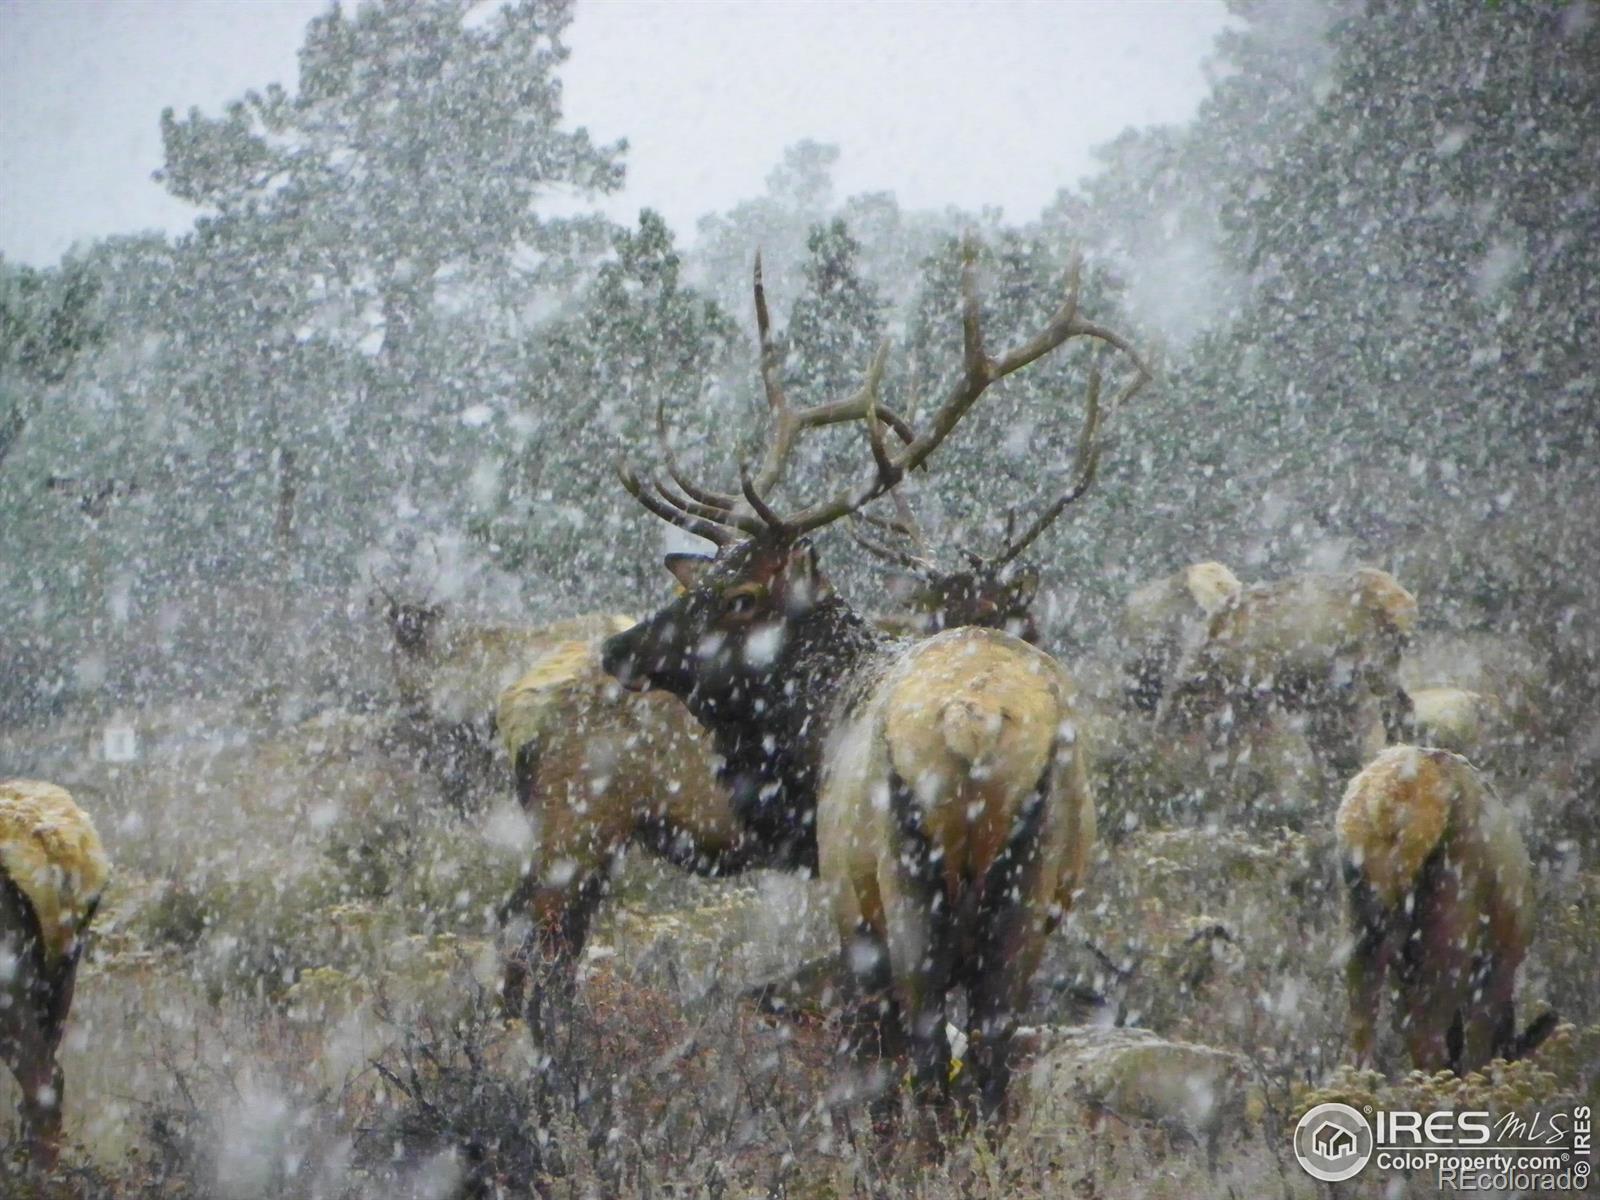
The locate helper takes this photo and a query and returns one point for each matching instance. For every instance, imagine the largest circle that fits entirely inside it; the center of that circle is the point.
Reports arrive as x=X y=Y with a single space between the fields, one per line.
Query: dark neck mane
x=772 y=746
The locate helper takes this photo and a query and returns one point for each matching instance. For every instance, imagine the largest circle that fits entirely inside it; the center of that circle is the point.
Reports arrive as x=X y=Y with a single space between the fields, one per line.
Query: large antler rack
x=721 y=518
x=1086 y=465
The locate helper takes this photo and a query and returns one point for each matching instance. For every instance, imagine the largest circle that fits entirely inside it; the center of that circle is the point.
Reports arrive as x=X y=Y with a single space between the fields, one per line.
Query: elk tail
x=971 y=727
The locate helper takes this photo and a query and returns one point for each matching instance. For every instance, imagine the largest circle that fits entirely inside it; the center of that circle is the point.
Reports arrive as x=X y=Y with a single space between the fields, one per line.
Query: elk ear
x=804 y=585
x=687 y=568
x=1023 y=585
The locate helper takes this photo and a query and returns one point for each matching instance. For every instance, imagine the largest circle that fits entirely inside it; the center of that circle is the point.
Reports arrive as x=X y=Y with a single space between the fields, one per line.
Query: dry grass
x=291 y=994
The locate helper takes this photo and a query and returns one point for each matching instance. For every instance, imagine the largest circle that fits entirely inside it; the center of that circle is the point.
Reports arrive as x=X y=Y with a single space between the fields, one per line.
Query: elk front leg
x=558 y=926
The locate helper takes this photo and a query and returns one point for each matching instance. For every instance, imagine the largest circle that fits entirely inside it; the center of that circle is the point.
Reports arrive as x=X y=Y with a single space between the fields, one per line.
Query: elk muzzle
x=653 y=654
x=619 y=656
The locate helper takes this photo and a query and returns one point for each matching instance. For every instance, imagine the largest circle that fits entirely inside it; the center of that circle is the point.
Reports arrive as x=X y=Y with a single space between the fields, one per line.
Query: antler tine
x=762 y=509
x=863 y=406
x=712 y=531
x=888 y=553
x=783 y=429
x=787 y=422
x=720 y=517
x=908 y=521
x=884 y=523
x=384 y=588
x=701 y=509
x=713 y=499
x=770 y=359
x=905 y=524
x=1087 y=464
x=691 y=507
x=1088 y=458
x=979 y=370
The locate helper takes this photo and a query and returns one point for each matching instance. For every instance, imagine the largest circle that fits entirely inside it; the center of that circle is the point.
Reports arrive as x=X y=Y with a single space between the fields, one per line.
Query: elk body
x=597 y=768
x=1162 y=621
x=52 y=871
x=1324 y=645
x=940 y=782
x=1441 y=900
x=448 y=675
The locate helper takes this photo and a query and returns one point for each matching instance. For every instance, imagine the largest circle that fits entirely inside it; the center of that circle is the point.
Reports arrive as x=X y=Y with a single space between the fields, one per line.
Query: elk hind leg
x=1489 y=1016
x=1013 y=923
x=919 y=923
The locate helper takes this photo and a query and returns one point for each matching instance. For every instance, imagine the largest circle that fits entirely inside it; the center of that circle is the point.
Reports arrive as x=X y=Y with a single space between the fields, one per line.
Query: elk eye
x=740 y=604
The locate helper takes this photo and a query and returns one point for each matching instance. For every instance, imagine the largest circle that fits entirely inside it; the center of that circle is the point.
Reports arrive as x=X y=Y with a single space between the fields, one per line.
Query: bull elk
x=1441 y=895
x=941 y=782
x=1327 y=646
x=597 y=768
x=52 y=872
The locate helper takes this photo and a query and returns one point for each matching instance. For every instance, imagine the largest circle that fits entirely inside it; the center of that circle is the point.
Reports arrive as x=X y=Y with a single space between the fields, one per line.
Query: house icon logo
x=1333 y=1142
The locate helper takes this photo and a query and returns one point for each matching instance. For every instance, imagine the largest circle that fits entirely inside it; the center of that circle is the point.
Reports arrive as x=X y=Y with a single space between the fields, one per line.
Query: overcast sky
x=939 y=102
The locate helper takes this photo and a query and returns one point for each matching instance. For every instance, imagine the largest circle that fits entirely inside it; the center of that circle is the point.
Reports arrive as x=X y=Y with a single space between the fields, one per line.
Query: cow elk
x=1441 y=897
x=943 y=778
x=597 y=768
x=52 y=872
x=448 y=674
x=1323 y=646
x=1163 y=621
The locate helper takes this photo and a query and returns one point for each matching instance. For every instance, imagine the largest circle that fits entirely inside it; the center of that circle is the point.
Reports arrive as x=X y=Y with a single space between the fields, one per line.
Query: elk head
x=718 y=643
x=411 y=622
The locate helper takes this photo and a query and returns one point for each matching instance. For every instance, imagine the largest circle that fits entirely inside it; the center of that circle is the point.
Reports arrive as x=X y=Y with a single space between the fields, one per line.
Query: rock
x=1189 y=1090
